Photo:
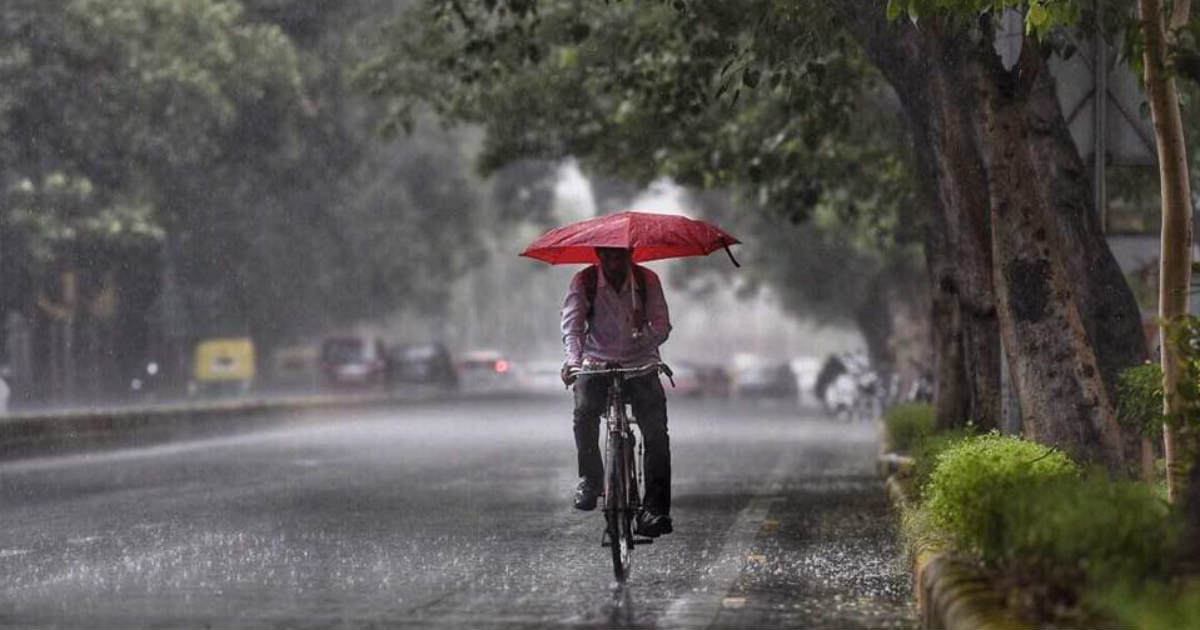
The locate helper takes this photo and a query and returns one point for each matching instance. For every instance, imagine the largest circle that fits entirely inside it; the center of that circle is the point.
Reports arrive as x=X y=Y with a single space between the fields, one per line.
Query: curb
x=892 y=464
x=951 y=592
x=71 y=431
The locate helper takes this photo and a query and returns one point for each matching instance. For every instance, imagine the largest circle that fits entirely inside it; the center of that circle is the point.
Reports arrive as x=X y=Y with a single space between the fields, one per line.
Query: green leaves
x=767 y=98
x=1183 y=335
x=52 y=218
x=1041 y=16
x=975 y=478
x=1140 y=398
x=1037 y=19
x=184 y=73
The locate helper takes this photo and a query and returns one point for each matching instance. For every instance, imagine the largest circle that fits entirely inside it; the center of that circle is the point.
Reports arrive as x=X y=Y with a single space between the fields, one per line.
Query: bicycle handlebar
x=620 y=370
x=658 y=365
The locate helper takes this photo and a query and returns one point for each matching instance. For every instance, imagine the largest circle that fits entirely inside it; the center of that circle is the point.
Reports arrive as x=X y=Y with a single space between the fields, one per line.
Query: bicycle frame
x=622 y=496
x=623 y=476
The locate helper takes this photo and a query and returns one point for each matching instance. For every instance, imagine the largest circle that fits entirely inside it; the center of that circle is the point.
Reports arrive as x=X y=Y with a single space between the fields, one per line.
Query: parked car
x=486 y=370
x=713 y=381
x=541 y=377
x=687 y=380
x=354 y=361
x=766 y=380
x=296 y=368
x=222 y=366
x=422 y=364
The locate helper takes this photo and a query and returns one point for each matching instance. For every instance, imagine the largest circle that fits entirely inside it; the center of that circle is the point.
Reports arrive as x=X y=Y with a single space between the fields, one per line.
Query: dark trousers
x=645 y=395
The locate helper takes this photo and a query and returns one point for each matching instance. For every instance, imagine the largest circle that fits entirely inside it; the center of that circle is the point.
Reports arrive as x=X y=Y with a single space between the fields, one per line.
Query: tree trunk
x=964 y=187
x=951 y=399
x=1107 y=306
x=1063 y=399
x=1001 y=228
x=923 y=66
x=1175 y=263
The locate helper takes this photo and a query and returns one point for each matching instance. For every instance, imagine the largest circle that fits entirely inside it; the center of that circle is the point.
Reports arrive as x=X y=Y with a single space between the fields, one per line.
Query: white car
x=541 y=377
x=486 y=371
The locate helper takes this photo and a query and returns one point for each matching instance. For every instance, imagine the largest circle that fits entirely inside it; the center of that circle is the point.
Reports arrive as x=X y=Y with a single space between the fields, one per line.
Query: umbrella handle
x=731 y=258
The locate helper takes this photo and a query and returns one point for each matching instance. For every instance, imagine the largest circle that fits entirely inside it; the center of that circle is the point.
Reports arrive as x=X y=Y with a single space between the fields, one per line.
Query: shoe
x=586 y=494
x=652 y=525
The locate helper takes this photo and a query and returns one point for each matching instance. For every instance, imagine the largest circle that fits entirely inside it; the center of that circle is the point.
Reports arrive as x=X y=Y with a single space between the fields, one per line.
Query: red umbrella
x=650 y=236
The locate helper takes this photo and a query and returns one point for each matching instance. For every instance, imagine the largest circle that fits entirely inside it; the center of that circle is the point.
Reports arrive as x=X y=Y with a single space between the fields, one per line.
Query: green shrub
x=1140 y=398
x=1069 y=528
x=927 y=450
x=918 y=532
x=1150 y=605
x=973 y=478
x=906 y=424
x=1025 y=508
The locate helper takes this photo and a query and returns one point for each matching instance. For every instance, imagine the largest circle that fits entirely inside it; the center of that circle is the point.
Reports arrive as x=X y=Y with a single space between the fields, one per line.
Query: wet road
x=451 y=515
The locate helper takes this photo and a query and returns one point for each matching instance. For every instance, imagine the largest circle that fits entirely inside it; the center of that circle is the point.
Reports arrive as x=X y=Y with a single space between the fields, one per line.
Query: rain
x=277 y=350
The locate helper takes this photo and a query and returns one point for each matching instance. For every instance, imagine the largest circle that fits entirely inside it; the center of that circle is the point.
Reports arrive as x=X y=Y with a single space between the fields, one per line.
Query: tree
x=616 y=116
x=1155 y=34
x=1175 y=274
x=678 y=101
x=227 y=133
x=135 y=102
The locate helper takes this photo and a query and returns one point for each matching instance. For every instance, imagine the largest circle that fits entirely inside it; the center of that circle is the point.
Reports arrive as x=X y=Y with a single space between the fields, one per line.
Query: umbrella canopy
x=650 y=236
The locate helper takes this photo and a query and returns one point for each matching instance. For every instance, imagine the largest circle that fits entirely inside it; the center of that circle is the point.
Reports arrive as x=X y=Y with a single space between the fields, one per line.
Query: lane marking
x=700 y=607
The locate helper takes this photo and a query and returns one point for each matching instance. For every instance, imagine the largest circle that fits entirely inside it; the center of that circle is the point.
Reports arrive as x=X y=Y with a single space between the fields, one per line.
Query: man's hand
x=568 y=373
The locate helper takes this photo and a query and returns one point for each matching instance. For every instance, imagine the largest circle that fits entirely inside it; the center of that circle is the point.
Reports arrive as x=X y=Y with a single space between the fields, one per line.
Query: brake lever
x=666 y=369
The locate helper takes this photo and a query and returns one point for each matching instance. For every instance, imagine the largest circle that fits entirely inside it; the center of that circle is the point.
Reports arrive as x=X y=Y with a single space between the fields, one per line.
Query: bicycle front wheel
x=618 y=512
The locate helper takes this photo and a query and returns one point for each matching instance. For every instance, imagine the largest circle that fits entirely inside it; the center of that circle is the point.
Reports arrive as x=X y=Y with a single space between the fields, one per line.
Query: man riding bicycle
x=615 y=313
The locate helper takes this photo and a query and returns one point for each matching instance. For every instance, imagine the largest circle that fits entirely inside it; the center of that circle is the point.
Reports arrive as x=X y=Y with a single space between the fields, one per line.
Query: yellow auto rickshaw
x=223 y=366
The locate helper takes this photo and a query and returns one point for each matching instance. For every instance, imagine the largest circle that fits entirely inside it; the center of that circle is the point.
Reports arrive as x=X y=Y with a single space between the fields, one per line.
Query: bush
x=1055 y=535
x=1151 y=605
x=1140 y=399
x=927 y=450
x=907 y=424
x=1101 y=530
x=973 y=479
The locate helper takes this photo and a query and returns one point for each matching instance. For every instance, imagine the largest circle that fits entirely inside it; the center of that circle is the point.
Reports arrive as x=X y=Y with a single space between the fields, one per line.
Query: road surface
x=452 y=514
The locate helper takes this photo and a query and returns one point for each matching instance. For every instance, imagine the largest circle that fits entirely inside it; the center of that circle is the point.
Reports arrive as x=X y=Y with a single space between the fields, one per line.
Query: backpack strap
x=591 y=280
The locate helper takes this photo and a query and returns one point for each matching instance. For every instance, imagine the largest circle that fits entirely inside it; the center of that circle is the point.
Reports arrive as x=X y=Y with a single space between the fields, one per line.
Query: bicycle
x=624 y=481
